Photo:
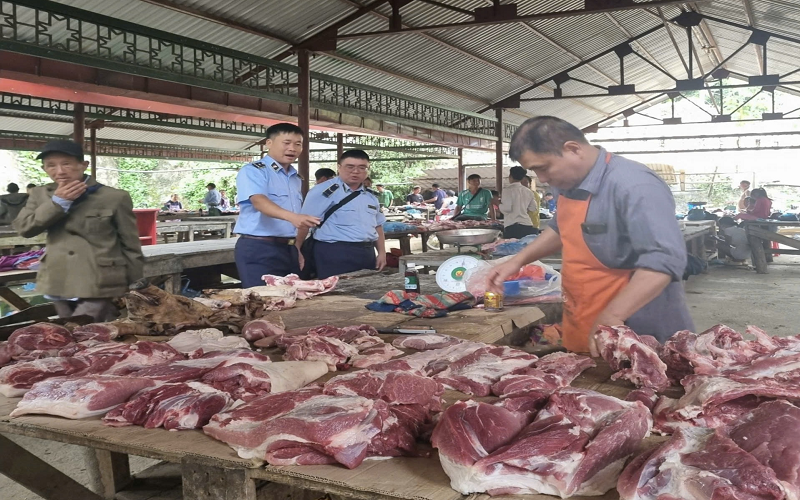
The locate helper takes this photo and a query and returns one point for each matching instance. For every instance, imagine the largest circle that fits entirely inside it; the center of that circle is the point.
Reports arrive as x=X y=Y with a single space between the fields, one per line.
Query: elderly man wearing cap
x=93 y=249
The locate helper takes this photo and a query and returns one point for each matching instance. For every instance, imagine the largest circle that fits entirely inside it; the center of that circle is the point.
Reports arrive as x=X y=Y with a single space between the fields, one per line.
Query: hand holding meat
x=496 y=277
x=71 y=190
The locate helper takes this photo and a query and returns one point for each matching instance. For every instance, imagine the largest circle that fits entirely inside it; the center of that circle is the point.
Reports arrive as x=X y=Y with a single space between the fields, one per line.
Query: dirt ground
x=734 y=296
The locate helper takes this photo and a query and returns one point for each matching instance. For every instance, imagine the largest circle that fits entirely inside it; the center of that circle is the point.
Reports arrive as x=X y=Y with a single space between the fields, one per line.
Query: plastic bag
x=536 y=279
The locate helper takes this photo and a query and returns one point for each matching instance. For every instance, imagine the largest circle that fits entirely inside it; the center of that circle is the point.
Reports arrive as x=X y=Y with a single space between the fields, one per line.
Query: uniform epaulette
x=275 y=166
x=332 y=189
x=258 y=164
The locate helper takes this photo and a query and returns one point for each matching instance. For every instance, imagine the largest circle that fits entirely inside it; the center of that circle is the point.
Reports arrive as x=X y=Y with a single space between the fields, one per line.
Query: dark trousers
x=333 y=259
x=214 y=211
x=518 y=231
x=255 y=258
x=101 y=310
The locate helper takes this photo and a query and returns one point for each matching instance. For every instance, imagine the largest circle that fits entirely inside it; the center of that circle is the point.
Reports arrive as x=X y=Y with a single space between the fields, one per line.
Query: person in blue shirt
x=212 y=199
x=269 y=196
x=550 y=202
x=438 y=197
x=347 y=240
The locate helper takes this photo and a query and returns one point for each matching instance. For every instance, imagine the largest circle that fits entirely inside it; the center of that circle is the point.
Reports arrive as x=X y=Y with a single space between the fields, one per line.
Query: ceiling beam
x=512 y=19
x=751 y=20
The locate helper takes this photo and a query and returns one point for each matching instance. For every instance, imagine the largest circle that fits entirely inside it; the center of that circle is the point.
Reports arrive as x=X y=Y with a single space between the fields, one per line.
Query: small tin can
x=493 y=302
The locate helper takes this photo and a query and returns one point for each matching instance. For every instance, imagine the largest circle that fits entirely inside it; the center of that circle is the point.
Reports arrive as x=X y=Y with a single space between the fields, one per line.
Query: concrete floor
x=734 y=296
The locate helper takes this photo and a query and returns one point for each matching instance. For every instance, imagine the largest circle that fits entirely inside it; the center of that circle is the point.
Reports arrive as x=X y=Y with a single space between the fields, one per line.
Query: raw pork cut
x=631 y=357
x=425 y=342
x=305 y=289
x=769 y=433
x=333 y=352
x=396 y=388
x=5 y=353
x=429 y=363
x=717 y=401
x=251 y=379
x=38 y=341
x=172 y=406
x=102 y=332
x=195 y=343
x=371 y=351
x=260 y=329
x=551 y=372
x=302 y=428
x=576 y=445
x=15 y=380
x=79 y=397
x=476 y=372
x=115 y=358
x=699 y=464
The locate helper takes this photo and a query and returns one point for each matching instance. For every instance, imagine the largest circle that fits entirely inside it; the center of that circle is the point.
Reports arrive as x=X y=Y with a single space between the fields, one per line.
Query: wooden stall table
x=761 y=234
x=695 y=233
x=210 y=469
x=172 y=259
x=186 y=228
x=10 y=239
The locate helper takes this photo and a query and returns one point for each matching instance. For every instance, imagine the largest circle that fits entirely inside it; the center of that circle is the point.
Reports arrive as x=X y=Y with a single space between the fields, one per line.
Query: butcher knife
x=410 y=330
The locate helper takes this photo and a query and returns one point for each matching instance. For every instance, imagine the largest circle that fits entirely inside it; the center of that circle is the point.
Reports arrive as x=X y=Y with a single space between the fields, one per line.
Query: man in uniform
x=347 y=239
x=93 y=250
x=213 y=199
x=475 y=202
x=623 y=252
x=268 y=192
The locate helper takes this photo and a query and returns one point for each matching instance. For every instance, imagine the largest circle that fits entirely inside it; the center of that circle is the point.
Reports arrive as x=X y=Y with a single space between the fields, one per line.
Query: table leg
x=228 y=230
x=759 y=256
x=115 y=472
x=32 y=472
x=425 y=237
x=173 y=284
x=12 y=298
x=191 y=234
x=201 y=482
x=405 y=245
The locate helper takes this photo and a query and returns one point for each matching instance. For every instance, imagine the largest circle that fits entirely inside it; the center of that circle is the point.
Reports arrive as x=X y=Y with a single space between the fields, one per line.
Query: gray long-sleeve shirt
x=630 y=224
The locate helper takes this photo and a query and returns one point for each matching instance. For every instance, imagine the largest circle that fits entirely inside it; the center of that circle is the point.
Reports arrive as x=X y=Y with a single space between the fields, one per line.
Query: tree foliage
x=31 y=168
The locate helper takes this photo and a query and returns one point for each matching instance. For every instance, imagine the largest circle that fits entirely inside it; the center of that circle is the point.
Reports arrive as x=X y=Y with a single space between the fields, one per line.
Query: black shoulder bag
x=309 y=270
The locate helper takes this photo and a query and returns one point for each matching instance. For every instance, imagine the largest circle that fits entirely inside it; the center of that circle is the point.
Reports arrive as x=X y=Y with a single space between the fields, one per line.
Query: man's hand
x=380 y=262
x=71 y=190
x=300 y=220
x=498 y=274
x=300 y=259
x=605 y=319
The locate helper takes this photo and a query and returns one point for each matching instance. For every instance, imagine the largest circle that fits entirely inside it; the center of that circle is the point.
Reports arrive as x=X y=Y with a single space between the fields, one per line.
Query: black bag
x=309 y=270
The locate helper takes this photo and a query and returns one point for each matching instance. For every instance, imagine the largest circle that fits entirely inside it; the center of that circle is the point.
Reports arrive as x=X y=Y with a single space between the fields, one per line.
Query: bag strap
x=474 y=195
x=339 y=205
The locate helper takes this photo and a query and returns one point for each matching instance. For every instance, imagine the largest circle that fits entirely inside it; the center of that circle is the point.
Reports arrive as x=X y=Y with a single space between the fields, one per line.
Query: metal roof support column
x=339 y=145
x=462 y=172
x=304 y=114
x=93 y=149
x=499 y=151
x=79 y=122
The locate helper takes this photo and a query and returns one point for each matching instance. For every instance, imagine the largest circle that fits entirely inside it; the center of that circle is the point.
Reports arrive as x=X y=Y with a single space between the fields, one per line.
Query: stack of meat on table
x=525 y=429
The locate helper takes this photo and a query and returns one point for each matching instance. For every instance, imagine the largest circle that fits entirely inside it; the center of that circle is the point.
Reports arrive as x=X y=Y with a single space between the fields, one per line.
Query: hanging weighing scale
x=451 y=275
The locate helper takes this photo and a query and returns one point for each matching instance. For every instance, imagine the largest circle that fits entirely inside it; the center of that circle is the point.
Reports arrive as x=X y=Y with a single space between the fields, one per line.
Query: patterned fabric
x=422 y=306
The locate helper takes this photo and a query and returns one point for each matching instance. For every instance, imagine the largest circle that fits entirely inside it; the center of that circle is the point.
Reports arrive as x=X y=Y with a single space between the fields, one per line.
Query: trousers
x=255 y=258
x=518 y=231
x=341 y=257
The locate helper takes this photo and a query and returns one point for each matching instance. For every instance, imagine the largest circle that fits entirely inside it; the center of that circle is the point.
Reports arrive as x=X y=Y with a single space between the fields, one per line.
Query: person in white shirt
x=516 y=202
x=736 y=246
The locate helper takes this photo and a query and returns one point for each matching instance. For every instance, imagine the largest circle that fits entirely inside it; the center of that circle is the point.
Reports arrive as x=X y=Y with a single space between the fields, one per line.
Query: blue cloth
x=213 y=198
x=513 y=247
x=354 y=222
x=268 y=178
x=440 y=195
x=65 y=204
x=333 y=259
x=399 y=227
x=551 y=205
x=255 y=258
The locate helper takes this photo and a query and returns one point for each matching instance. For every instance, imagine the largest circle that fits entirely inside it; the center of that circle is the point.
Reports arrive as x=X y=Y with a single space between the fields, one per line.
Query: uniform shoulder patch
x=275 y=166
x=258 y=164
x=332 y=189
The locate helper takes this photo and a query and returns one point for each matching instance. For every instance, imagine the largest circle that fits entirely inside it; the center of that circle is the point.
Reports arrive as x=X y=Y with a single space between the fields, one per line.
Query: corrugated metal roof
x=466 y=68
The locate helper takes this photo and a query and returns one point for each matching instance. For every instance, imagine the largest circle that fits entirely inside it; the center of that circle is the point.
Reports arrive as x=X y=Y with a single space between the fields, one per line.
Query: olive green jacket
x=93 y=250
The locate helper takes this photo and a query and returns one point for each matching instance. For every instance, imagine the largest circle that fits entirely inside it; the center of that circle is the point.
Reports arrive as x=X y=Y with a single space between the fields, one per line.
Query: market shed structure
x=462 y=74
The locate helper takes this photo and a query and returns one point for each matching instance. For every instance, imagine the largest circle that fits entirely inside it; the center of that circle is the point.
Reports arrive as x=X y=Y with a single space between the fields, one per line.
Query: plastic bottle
x=411 y=279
